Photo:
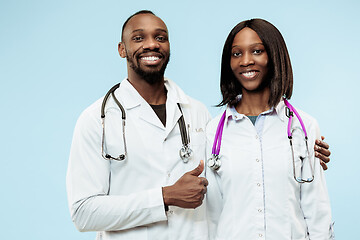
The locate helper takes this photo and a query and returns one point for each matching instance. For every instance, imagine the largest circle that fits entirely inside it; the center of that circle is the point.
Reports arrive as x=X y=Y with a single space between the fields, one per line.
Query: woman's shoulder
x=213 y=123
x=310 y=123
x=306 y=117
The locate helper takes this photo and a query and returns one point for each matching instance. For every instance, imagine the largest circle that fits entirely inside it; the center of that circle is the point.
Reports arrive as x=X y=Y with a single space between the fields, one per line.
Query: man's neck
x=154 y=94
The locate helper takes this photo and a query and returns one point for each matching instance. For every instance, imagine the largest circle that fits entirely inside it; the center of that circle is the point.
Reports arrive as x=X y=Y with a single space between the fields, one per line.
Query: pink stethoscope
x=214 y=161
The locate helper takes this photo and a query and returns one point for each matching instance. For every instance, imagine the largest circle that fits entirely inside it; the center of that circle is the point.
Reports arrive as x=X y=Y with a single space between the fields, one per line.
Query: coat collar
x=232 y=114
x=131 y=98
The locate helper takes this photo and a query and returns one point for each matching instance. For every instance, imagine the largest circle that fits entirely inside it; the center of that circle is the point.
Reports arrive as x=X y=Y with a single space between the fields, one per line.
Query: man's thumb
x=198 y=170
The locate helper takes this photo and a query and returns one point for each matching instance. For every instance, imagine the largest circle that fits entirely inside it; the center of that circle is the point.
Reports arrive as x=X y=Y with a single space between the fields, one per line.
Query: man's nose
x=151 y=44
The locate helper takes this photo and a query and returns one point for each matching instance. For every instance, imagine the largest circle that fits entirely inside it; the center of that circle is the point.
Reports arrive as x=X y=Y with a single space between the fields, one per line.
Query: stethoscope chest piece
x=214 y=162
x=185 y=153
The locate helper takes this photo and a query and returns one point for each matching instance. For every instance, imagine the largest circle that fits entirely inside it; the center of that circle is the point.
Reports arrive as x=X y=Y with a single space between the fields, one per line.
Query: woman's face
x=249 y=60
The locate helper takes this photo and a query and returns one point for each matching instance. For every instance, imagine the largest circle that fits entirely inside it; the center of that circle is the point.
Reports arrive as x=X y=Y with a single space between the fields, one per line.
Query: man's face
x=146 y=46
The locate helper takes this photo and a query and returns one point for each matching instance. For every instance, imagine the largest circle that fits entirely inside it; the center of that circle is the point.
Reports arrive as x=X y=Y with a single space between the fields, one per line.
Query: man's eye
x=160 y=38
x=137 y=38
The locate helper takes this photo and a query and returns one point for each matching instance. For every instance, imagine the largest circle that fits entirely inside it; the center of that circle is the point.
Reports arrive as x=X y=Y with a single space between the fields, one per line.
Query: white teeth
x=150 y=58
x=249 y=74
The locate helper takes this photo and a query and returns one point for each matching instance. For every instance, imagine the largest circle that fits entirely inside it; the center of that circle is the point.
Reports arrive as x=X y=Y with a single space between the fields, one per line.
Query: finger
x=204 y=181
x=322 y=144
x=322 y=138
x=323 y=151
x=323 y=165
x=199 y=203
x=322 y=157
x=198 y=170
x=201 y=198
x=204 y=191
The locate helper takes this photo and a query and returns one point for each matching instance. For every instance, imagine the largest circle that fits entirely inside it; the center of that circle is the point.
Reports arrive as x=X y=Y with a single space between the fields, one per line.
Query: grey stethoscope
x=214 y=161
x=185 y=151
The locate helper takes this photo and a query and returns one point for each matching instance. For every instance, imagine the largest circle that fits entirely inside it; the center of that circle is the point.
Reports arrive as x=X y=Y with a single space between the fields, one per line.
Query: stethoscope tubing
x=218 y=136
x=184 y=135
x=185 y=151
x=106 y=97
x=292 y=109
x=214 y=161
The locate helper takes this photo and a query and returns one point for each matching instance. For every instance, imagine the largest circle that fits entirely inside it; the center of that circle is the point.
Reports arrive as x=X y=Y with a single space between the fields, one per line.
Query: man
x=153 y=193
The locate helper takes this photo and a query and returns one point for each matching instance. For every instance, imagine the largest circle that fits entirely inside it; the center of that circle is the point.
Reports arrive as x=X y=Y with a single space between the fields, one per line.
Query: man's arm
x=322 y=152
x=93 y=209
x=88 y=184
x=188 y=191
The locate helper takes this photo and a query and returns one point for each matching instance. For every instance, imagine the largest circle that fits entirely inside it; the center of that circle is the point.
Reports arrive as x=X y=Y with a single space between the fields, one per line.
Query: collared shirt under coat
x=123 y=199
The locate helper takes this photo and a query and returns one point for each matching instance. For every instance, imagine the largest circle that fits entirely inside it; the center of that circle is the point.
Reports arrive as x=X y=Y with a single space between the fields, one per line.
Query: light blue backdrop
x=57 y=57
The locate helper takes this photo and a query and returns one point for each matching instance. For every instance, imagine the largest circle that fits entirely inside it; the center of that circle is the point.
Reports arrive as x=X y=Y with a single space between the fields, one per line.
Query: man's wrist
x=166 y=207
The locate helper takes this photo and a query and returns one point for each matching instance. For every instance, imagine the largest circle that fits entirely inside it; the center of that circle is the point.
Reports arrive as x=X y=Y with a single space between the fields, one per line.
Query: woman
x=255 y=193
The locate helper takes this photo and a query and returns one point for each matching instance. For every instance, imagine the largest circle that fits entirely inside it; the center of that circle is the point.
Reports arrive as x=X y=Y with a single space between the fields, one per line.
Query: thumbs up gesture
x=188 y=191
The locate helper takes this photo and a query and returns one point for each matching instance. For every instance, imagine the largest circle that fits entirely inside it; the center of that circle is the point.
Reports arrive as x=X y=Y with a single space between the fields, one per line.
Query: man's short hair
x=137 y=13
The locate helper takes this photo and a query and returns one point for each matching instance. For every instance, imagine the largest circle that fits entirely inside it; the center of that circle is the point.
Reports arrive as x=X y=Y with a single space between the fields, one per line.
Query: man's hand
x=322 y=152
x=188 y=191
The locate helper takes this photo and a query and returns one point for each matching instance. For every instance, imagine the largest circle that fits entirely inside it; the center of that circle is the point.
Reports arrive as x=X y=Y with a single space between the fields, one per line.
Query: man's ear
x=121 y=50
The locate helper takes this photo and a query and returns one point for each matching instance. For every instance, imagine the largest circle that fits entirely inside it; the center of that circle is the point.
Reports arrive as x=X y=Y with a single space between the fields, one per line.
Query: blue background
x=57 y=57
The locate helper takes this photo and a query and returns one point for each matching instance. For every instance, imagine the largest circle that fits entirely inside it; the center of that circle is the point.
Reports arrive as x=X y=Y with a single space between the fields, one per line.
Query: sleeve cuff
x=157 y=205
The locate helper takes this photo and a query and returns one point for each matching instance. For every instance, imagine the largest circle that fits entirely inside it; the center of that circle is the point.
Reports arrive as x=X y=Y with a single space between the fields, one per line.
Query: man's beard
x=150 y=76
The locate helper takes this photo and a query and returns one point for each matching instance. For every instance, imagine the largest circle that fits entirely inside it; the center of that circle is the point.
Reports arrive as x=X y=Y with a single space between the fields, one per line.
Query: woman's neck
x=253 y=103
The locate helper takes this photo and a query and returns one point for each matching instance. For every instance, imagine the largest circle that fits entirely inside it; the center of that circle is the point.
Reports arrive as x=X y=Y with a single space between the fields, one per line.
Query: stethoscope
x=214 y=161
x=185 y=151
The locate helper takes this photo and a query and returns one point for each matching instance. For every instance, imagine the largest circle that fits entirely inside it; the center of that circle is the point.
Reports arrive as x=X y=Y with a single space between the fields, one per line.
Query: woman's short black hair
x=280 y=72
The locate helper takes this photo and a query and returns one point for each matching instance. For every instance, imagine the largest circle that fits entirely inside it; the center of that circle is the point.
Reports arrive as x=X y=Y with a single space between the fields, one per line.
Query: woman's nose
x=247 y=60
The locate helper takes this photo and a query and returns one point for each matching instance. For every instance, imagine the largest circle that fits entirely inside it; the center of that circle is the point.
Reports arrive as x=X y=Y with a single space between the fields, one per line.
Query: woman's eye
x=257 y=51
x=236 y=54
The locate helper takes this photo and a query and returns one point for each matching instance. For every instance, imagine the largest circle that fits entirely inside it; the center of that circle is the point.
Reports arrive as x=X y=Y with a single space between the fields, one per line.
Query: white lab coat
x=123 y=200
x=254 y=195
